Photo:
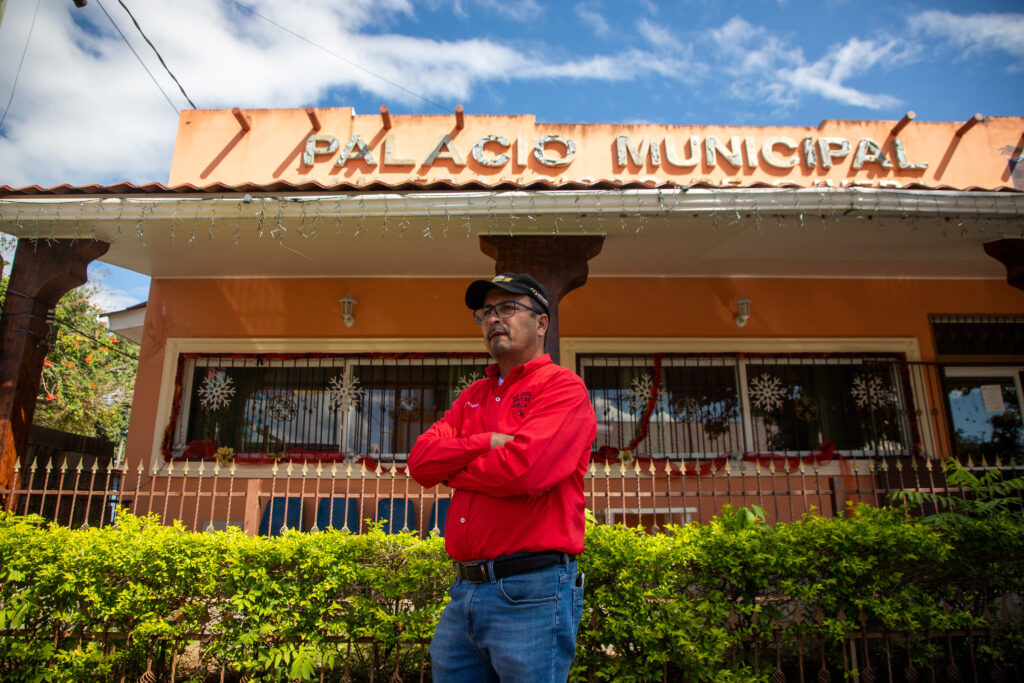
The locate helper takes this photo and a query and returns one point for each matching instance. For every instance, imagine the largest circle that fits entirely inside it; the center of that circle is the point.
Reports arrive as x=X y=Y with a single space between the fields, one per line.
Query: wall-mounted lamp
x=347 y=304
x=743 y=306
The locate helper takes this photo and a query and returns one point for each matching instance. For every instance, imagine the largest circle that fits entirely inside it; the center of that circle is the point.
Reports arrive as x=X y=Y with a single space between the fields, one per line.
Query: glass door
x=985 y=406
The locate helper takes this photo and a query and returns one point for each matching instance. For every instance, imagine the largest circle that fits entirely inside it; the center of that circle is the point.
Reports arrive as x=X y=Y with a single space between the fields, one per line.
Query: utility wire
x=94 y=340
x=116 y=27
x=335 y=54
x=66 y=325
x=157 y=52
x=14 y=86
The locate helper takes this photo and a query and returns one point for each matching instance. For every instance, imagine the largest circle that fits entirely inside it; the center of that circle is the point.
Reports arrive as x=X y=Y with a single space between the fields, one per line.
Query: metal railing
x=647 y=492
x=679 y=437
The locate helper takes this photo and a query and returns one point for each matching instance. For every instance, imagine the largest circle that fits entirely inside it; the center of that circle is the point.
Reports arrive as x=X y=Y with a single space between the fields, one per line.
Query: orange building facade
x=752 y=308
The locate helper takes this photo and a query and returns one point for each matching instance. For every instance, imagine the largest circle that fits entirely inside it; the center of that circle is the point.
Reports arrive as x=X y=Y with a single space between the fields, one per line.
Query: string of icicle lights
x=191 y=219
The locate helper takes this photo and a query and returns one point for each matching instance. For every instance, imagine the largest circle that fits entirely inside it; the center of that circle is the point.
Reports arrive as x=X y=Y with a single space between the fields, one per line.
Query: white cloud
x=854 y=58
x=765 y=66
x=85 y=111
x=974 y=32
x=109 y=300
x=656 y=34
x=517 y=10
x=589 y=15
x=116 y=288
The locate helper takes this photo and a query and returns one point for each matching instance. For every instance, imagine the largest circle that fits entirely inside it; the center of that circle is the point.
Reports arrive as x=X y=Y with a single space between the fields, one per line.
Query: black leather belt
x=477 y=572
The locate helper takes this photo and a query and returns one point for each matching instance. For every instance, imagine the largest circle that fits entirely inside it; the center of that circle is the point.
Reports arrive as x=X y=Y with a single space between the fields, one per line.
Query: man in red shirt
x=514 y=448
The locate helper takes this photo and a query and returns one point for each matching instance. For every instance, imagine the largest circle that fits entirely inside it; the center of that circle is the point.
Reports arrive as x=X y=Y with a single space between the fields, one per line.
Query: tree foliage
x=980 y=496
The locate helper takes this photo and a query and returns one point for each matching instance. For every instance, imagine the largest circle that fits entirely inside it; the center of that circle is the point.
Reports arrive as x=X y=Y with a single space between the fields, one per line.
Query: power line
x=66 y=325
x=335 y=54
x=14 y=86
x=157 y=52
x=117 y=28
x=94 y=340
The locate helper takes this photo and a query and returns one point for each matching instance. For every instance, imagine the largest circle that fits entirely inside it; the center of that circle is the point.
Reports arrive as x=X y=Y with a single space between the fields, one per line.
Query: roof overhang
x=662 y=231
x=128 y=322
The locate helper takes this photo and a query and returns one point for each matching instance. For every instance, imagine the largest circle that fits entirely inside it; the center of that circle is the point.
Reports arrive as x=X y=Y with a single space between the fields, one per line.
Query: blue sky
x=85 y=110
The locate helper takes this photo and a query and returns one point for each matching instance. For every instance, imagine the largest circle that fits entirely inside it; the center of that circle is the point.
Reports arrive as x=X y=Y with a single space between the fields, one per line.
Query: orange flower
x=50 y=397
x=47 y=363
x=88 y=359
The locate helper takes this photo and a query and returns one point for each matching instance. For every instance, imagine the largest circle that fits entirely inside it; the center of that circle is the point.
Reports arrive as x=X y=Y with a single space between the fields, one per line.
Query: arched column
x=42 y=272
x=557 y=262
x=1009 y=252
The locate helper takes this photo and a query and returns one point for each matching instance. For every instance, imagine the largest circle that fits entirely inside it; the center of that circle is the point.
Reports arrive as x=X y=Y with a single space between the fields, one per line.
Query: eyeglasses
x=503 y=309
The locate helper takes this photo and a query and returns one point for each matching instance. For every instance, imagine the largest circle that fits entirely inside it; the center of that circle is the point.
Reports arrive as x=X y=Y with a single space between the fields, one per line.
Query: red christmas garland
x=644 y=428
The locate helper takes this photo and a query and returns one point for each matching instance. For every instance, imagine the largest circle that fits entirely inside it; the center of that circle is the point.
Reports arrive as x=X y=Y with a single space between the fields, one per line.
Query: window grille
x=263 y=408
x=978 y=335
x=710 y=405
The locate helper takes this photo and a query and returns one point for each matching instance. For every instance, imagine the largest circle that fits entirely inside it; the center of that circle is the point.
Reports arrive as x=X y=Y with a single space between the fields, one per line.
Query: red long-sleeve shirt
x=527 y=495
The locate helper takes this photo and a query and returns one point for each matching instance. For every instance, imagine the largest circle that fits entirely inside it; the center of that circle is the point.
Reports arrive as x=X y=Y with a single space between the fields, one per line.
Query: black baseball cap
x=517 y=283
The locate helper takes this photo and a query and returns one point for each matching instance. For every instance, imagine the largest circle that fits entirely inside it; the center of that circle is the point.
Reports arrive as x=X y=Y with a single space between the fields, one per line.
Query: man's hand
x=498 y=439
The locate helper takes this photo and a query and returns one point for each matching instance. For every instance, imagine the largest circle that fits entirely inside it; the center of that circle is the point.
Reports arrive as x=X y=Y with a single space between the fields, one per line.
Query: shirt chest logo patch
x=521 y=400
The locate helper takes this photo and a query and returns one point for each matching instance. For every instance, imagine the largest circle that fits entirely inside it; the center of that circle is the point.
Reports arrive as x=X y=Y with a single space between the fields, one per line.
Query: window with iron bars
x=263 y=408
x=710 y=405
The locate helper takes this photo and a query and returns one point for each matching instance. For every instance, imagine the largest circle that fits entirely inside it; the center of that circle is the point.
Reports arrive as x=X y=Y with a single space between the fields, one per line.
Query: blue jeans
x=520 y=628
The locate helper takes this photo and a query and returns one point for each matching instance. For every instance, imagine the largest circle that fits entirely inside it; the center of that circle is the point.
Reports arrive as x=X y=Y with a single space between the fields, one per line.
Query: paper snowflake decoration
x=767 y=392
x=870 y=392
x=640 y=392
x=343 y=392
x=216 y=391
x=466 y=380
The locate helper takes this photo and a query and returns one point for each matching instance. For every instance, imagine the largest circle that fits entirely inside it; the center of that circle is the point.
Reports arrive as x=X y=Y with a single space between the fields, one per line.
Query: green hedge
x=719 y=601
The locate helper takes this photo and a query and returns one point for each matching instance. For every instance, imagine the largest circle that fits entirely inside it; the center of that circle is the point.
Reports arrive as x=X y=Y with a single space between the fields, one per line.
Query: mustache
x=497 y=329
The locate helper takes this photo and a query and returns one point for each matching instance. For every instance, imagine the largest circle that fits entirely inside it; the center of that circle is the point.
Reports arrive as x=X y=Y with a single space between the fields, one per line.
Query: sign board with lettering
x=334 y=146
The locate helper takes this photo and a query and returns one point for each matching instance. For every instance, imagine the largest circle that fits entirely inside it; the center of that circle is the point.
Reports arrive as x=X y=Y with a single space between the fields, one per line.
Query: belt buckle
x=474 y=573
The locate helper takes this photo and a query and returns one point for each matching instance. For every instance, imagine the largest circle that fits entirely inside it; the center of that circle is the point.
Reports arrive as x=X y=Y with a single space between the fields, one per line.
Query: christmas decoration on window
x=870 y=392
x=216 y=391
x=806 y=408
x=344 y=391
x=224 y=455
x=465 y=380
x=766 y=393
x=640 y=393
